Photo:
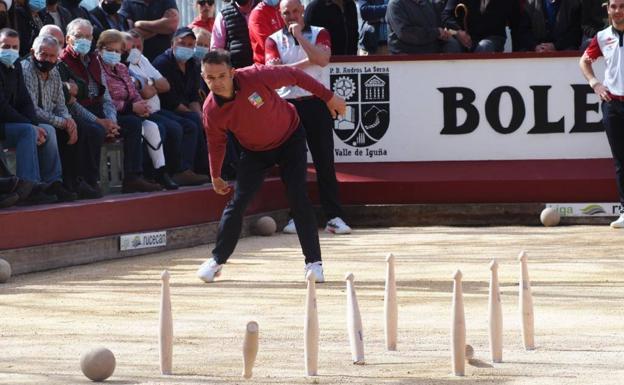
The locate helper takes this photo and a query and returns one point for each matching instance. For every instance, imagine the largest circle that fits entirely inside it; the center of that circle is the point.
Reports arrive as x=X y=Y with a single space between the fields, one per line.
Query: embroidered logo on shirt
x=255 y=100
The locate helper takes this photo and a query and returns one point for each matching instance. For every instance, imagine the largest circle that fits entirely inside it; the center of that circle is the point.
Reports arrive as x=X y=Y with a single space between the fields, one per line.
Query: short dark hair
x=218 y=56
x=8 y=32
x=135 y=34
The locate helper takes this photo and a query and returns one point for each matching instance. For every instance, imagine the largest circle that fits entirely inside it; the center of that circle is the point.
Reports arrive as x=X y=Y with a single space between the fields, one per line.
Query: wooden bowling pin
x=525 y=302
x=354 y=323
x=311 y=328
x=250 y=348
x=391 y=310
x=495 y=313
x=458 y=328
x=165 y=334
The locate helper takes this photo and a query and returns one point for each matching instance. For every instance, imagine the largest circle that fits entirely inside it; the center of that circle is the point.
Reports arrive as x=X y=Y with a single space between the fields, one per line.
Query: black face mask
x=111 y=8
x=74 y=3
x=51 y=2
x=4 y=19
x=43 y=66
x=242 y=2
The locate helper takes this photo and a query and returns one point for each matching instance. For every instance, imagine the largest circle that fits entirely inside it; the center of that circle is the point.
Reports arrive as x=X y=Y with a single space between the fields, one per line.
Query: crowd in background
x=74 y=74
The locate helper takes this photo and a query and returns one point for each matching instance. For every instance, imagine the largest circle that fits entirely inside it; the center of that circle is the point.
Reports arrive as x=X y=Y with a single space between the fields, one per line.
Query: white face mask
x=134 y=56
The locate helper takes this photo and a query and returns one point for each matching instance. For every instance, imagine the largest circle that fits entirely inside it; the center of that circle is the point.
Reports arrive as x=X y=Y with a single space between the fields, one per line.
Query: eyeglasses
x=205 y=2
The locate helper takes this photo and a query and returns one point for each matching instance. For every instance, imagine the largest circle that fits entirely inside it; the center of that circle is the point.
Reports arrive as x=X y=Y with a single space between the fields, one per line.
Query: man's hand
x=148 y=91
x=337 y=106
x=444 y=34
x=464 y=38
x=141 y=108
x=220 y=186
x=72 y=130
x=73 y=87
x=295 y=30
x=42 y=135
x=602 y=92
x=112 y=129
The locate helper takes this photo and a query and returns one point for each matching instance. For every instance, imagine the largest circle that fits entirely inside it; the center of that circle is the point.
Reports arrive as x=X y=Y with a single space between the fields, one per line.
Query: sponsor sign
x=586 y=209
x=456 y=110
x=142 y=240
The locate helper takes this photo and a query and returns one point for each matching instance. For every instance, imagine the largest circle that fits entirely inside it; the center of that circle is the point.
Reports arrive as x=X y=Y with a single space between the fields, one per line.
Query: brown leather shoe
x=139 y=185
x=189 y=178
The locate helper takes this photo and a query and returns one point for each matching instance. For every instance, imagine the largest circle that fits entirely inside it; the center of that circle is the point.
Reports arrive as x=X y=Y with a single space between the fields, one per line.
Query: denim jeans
x=34 y=163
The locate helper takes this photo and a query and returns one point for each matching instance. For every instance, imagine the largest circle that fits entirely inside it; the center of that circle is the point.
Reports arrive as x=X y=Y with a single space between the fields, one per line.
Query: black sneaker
x=7 y=200
x=86 y=191
x=23 y=189
x=38 y=197
x=63 y=194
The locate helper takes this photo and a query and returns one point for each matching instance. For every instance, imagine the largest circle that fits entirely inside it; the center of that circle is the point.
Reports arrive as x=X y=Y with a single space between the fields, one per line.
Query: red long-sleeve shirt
x=257 y=116
x=263 y=21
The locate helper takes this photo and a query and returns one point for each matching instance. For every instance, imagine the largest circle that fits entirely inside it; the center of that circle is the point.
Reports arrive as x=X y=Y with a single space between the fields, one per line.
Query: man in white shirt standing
x=309 y=48
x=610 y=43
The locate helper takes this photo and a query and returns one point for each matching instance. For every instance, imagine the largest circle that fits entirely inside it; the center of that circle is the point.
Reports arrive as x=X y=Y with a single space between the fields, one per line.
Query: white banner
x=142 y=240
x=586 y=209
x=490 y=109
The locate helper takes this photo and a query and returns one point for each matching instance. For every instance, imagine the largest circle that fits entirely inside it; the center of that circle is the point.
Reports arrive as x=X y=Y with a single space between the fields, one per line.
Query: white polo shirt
x=610 y=43
x=143 y=71
x=282 y=46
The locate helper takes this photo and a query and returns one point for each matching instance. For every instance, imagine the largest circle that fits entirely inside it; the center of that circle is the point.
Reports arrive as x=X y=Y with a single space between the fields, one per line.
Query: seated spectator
x=264 y=19
x=53 y=13
x=132 y=110
x=556 y=24
x=594 y=18
x=205 y=16
x=81 y=162
x=231 y=32
x=481 y=27
x=156 y=20
x=373 y=38
x=76 y=9
x=5 y=14
x=340 y=19
x=202 y=45
x=415 y=28
x=86 y=66
x=179 y=67
x=106 y=16
x=36 y=149
x=43 y=82
x=148 y=81
x=27 y=22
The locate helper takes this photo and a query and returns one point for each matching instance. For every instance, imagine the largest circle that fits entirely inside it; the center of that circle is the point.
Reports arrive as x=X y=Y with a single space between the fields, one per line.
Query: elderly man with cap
x=178 y=65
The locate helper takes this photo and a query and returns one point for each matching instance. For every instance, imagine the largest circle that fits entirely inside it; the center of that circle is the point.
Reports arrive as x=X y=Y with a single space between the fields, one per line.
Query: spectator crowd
x=76 y=74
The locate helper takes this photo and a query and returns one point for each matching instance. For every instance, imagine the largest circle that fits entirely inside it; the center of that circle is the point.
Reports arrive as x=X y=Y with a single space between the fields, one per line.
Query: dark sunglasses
x=204 y=2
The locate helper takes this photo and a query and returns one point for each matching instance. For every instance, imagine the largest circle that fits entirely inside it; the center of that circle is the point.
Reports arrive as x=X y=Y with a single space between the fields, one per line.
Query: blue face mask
x=89 y=5
x=37 y=5
x=134 y=56
x=183 y=53
x=82 y=46
x=200 y=52
x=110 y=57
x=8 y=56
x=272 y=3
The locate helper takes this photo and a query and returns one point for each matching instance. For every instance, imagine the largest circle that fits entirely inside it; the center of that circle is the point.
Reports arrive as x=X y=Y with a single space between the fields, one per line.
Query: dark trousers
x=197 y=158
x=318 y=125
x=131 y=127
x=613 y=121
x=252 y=169
x=82 y=159
x=171 y=134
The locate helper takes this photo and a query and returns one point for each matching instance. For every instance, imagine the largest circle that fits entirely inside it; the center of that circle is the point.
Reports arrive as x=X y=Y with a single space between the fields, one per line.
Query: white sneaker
x=209 y=270
x=618 y=223
x=317 y=269
x=337 y=226
x=290 y=227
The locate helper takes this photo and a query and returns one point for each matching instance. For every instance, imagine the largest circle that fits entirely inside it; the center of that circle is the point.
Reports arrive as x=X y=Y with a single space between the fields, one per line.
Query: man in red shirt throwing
x=269 y=131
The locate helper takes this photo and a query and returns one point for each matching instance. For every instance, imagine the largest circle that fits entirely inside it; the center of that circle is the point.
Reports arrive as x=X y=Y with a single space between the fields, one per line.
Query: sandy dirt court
x=48 y=319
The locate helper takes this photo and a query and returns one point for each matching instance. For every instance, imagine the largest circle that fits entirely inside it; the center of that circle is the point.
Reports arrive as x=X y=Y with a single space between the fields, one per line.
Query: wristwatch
x=150 y=82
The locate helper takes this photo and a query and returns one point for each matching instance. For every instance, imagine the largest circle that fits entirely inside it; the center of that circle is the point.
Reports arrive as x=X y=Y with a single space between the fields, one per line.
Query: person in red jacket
x=244 y=102
x=263 y=21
